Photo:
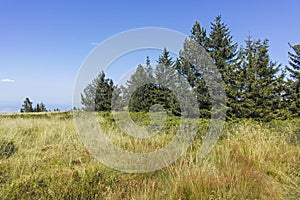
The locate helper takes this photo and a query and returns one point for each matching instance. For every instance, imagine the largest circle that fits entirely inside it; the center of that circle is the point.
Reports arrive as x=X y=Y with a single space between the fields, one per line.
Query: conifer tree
x=193 y=75
x=198 y=34
x=40 y=107
x=223 y=51
x=140 y=90
x=27 y=106
x=221 y=47
x=97 y=96
x=261 y=89
x=164 y=72
x=43 y=107
x=37 y=108
x=166 y=81
x=293 y=94
x=103 y=96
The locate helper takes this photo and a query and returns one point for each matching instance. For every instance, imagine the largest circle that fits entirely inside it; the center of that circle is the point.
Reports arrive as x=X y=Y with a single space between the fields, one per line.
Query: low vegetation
x=42 y=157
x=6 y=149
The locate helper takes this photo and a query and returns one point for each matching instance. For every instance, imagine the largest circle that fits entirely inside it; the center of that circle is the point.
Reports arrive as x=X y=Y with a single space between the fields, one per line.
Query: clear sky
x=43 y=43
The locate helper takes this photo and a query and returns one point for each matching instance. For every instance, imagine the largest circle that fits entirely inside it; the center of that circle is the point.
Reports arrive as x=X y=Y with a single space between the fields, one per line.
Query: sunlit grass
x=251 y=161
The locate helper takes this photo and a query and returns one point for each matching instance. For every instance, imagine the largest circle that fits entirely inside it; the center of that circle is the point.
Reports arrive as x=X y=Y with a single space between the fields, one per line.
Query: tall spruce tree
x=293 y=94
x=194 y=75
x=261 y=89
x=221 y=46
x=223 y=51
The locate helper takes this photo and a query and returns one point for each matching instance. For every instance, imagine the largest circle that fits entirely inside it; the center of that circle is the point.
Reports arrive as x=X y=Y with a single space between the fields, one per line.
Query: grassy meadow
x=42 y=157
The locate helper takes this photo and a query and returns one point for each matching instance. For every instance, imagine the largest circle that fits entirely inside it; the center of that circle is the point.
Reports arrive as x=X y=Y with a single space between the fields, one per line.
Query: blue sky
x=43 y=43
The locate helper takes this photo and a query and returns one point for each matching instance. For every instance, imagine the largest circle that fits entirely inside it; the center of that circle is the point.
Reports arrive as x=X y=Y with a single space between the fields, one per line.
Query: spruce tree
x=27 y=106
x=221 y=46
x=37 y=108
x=97 y=96
x=140 y=89
x=261 y=89
x=166 y=81
x=43 y=107
x=198 y=34
x=223 y=51
x=293 y=94
x=164 y=72
x=103 y=96
x=40 y=107
x=194 y=75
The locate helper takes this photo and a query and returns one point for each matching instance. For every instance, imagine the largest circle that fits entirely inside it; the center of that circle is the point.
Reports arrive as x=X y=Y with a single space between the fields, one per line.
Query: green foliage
x=223 y=51
x=293 y=91
x=104 y=90
x=27 y=107
x=221 y=47
x=166 y=81
x=255 y=86
x=262 y=83
x=148 y=87
x=40 y=107
x=193 y=74
x=198 y=34
x=97 y=96
x=140 y=92
x=7 y=149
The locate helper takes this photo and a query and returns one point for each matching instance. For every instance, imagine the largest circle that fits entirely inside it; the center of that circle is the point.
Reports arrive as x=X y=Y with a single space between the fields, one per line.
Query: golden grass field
x=42 y=157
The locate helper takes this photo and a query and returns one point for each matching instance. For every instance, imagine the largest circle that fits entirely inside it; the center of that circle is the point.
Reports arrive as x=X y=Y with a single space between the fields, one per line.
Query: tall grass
x=252 y=160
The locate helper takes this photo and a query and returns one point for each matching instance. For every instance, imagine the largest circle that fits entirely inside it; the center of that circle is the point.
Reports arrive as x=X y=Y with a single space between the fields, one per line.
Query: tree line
x=28 y=107
x=255 y=86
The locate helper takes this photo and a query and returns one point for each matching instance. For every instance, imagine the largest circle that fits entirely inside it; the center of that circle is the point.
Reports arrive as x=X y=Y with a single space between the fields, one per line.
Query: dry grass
x=250 y=161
